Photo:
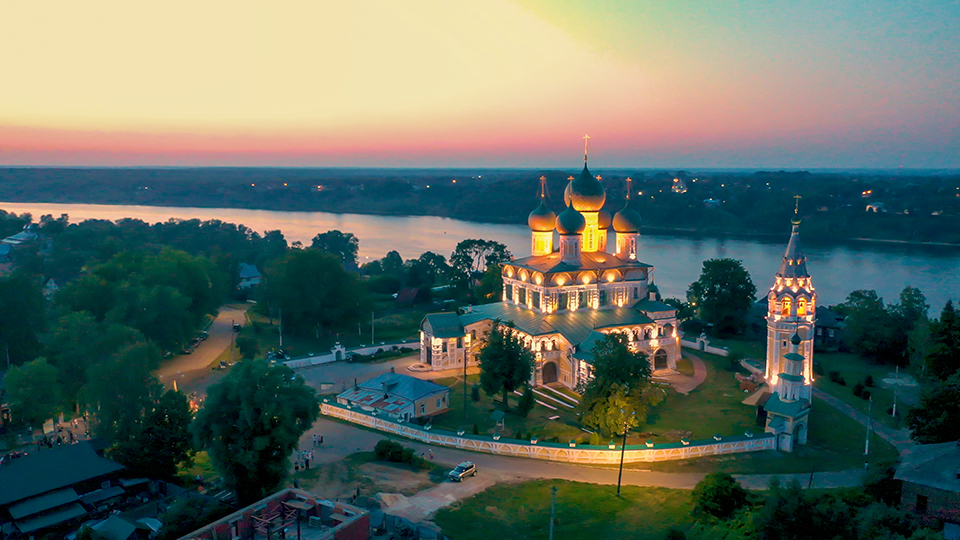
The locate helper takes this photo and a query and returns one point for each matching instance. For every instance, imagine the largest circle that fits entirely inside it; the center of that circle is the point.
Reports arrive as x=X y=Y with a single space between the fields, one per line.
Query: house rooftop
x=932 y=465
x=403 y=386
x=49 y=470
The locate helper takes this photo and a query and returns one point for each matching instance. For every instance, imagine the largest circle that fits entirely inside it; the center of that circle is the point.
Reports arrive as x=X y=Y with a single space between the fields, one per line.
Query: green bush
x=858 y=389
x=526 y=402
x=475 y=392
x=476 y=430
x=719 y=495
x=868 y=381
x=595 y=439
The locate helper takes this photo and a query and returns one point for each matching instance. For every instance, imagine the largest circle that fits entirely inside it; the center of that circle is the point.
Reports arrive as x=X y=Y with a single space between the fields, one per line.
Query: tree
x=620 y=393
x=719 y=495
x=912 y=307
x=505 y=364
x=872 y=330
x=392 y=264
x=723 y=294
x=937 y=417
x=252 y=420
x=314 y=292
x=342 y=245
x=943 y=355
x=165 y=431
x=473 y=256
x=121 y=389
x=21 y=319
x=526 y=403
x=248 y=345
x=491 y=284
x=684 y=310
x=33 y=391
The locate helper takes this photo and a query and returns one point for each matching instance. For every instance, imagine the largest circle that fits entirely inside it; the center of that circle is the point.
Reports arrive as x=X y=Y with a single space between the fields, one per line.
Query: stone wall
x=552 y=451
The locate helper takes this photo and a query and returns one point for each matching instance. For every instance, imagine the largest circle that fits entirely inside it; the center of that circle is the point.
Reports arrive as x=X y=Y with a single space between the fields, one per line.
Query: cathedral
x=563 y=298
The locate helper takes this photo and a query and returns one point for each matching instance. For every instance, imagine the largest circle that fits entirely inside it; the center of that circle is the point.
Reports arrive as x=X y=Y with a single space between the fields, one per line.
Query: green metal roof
x=574 y=326
x=652 y=306
x=445 y=325
x=791 y=409
x=49 y=470
x=790 y=377
x=43 y=502
x=585 y=348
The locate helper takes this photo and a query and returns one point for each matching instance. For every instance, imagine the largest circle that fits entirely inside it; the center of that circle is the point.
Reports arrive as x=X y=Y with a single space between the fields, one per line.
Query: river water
x=836 y=269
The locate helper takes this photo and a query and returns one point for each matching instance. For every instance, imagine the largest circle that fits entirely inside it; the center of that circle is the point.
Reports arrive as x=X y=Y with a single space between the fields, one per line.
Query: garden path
x=683 y=384
x=899 y=438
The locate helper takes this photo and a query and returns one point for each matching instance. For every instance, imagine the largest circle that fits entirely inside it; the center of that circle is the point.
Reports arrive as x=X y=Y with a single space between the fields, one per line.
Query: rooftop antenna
x=586 y=141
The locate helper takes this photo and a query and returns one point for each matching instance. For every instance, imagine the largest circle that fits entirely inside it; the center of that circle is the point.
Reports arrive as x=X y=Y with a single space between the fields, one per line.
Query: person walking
x=431 y=454
x=321 y=438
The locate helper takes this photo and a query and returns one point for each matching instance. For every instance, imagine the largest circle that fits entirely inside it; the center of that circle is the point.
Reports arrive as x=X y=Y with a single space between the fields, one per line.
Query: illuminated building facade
x=791 y=308
x=562 y=300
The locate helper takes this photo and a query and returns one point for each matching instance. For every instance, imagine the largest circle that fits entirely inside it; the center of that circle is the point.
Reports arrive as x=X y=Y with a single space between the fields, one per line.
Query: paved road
x=189 y=370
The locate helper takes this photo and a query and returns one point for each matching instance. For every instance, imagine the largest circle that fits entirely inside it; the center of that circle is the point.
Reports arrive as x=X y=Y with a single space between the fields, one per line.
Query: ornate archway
x=660 y=359
x=549 y=373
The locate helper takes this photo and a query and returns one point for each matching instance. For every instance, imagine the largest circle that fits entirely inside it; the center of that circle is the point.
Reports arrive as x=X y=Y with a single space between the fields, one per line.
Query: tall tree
x=159 y=441
x=252 y=420
x=943 y=355
x=473 y=256
x=620 y=393
x=344 y=246
x=505 y=364
x=937 y=418
x=33 y=391
x=872 y=330
x=314 y=292
x=121 y=389
x=723 y=294
x=21 y=319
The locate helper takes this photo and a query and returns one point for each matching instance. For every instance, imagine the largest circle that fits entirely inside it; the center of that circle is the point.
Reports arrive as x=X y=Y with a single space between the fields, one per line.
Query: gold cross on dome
x=629 y=182
x=586 y=141
x=796 y=207
x=543 y=187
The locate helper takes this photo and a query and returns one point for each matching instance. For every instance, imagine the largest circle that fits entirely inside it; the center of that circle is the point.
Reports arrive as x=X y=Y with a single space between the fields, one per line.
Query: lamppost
x=623 y=447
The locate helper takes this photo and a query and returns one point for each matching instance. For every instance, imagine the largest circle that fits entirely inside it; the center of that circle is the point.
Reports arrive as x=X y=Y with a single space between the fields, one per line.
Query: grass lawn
x=588 y=511
x=685 y=367
x=713 y=407
x=200 y=465
x=478 y=413
x=746 y=348
x=854 y=369
x=835 y=442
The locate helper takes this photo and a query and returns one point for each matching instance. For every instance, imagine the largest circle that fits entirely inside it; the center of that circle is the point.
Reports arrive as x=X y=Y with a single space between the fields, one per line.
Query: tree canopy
x=344 y=246
x=33 y=391
x=719 y=495
x=159 y=441
x=122 y=389
x=943 y=353
x=250 y=423
x=723 y=294
x=505 y=364
x=937 y=417
x=21 y=319
x=474 y=256
x=619 y=394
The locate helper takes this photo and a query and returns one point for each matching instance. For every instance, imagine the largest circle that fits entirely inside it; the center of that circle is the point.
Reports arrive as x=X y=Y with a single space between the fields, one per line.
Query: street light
x=623 y=447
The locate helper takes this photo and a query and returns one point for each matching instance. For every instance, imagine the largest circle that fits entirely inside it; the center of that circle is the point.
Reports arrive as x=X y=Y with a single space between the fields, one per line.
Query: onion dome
x=795 y=339
x=570 y=221
x=604 y=220
x=542 y=219
x=627 y=220
x=585 y=193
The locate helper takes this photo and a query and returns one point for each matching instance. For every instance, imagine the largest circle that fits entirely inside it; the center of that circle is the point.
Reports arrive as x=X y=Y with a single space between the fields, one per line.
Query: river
x=836 y=269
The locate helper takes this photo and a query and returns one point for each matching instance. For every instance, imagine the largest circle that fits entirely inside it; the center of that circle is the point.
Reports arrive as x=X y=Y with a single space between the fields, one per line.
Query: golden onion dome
x=542 y=219
x=627 y=220
x=570 y=221
x=585 y=193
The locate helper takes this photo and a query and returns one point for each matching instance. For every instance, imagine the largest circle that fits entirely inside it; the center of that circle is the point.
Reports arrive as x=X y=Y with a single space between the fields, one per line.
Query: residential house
x=931 y=485
x=249 y=276
x=400 y=396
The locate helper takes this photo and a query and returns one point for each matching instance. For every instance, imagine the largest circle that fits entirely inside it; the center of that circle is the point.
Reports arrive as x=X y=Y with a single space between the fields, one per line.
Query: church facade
x=564 y=297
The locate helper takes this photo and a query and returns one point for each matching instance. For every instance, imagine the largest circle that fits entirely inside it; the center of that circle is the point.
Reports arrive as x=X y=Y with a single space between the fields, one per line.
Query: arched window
x=801 y=307
x=785 y=307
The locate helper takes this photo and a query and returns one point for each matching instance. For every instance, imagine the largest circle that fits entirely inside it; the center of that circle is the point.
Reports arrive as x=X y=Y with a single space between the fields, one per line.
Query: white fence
x=704 y=345
x=608 y=455
x=316 y=360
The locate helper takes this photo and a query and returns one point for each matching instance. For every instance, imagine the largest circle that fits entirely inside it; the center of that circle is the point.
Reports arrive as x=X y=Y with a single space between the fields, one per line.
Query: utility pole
x=866 y=447
x=623 y=447
x=896 y=388
x=553 y=504
x=232 y=333
x=464 y=389
x=281 y=328
x=372 y=341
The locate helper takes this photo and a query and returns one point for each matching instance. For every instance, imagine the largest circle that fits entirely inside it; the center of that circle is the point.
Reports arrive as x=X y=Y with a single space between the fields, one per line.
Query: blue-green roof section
x=585 y=348
x=791 y=409
x=652 y=306
x=444 y=325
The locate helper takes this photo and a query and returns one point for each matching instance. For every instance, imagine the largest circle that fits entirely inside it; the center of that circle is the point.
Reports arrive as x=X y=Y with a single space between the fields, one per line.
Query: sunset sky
x=793 y=84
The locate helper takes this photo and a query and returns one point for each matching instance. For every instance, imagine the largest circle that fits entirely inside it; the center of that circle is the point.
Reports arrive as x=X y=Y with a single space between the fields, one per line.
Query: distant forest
x=910 y=207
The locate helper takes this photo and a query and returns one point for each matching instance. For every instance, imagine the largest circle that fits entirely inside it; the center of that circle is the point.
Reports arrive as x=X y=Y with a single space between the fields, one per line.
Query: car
x=203 y=335
x=463 y=470
x=236 y=327
x=223 y=365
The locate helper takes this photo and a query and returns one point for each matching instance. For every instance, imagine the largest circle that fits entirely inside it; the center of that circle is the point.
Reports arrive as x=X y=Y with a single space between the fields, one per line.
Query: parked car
x=236 y=327
x=203 y=335
x=463 y=470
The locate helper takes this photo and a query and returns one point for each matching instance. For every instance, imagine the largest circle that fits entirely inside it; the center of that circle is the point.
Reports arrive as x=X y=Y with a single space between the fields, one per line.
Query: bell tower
x=791 y=309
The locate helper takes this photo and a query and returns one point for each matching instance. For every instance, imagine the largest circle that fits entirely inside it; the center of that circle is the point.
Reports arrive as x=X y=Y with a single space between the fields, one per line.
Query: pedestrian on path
x=321 y=438
x=431 y=454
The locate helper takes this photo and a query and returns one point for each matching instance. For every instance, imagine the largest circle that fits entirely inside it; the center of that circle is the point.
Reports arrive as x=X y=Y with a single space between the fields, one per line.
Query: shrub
x=387 y=450
x=675 y=534
x=835 y=376
x=595 y=439
x=719 y=495
x=865 y=395
x=868 y=381
x=476 y=430
x=857 y=389
x=475 y=392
